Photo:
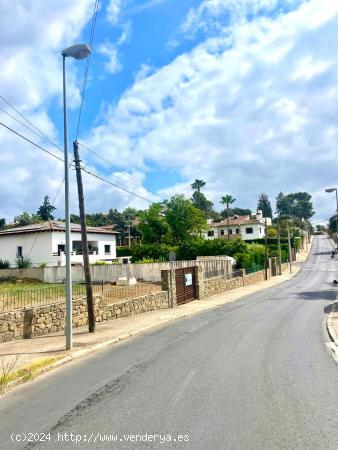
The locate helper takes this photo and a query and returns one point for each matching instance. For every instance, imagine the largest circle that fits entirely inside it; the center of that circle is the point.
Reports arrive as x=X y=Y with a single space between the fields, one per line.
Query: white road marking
x=182 y=388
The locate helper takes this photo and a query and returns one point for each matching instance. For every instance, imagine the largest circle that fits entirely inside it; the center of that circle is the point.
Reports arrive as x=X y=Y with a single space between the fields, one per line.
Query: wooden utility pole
x=279 y=251
x=88 y=277
x=129 y=237
x=289 y=243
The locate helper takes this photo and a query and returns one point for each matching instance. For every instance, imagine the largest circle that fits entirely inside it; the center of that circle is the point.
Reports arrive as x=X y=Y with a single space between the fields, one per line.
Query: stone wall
x=43 y=320
x=218 y=285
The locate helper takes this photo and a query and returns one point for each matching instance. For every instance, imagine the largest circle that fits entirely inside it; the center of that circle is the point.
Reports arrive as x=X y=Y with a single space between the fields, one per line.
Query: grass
x=22 y=285
x=8 y=374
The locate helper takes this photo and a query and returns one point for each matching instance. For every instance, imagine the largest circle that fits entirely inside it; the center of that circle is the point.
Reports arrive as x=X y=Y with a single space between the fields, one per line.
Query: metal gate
x=185 y=285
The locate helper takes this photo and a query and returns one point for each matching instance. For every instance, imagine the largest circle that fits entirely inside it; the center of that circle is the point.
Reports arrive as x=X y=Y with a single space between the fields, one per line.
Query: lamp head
x=330 y=189
x=77 y=51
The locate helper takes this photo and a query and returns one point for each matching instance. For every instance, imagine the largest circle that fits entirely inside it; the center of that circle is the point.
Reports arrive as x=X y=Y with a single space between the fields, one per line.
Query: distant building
x=45 y=243
x=245 y=227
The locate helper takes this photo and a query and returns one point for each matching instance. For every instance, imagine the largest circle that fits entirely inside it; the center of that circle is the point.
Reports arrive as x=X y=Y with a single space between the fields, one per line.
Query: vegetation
x=23 y=262
x=228 y=200
x=5 y=264
x=9 y=375
x=46 y=209
x=264 y=205
x=296 y=205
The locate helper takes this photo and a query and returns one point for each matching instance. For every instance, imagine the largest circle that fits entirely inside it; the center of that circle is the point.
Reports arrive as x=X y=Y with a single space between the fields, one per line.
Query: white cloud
x=248 y=117
x=32 y=36
x=113 y=11
x=110 y=50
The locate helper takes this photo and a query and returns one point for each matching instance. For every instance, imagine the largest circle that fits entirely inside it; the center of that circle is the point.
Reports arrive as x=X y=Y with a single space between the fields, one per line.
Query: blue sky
x=240 y=93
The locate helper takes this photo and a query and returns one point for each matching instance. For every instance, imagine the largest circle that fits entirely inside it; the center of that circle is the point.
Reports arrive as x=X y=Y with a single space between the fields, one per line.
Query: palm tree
x=228 y=200
x=197 y=186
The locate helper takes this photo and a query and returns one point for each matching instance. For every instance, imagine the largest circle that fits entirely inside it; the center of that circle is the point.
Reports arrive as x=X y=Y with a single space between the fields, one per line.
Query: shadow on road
x=318 y=295
x=328 y=309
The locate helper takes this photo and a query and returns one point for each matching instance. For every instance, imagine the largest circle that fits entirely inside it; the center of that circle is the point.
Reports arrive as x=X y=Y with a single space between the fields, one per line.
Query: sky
x=240 y=93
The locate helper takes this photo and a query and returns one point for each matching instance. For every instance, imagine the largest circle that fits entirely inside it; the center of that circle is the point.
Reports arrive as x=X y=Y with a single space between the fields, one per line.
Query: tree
x=153 y=225
x=200 y=201
x=46 y=209
x=197 y=185
x=183 y=218
x=228 y=200
x=2 y=224
x=297 y=204
x=26 y=219
x=198 y=198
x=264 y=205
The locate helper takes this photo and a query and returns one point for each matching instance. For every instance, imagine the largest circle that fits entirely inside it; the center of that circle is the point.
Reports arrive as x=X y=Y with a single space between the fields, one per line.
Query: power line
x=40 y=134
x=115 y=185
x=31 y=142
x=92 y=32
x=83 y=168
x=139 y=181
x=38 y=131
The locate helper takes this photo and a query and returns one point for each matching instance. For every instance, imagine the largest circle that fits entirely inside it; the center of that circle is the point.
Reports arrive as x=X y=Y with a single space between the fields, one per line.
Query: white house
x=44 y=243
x=245 y=227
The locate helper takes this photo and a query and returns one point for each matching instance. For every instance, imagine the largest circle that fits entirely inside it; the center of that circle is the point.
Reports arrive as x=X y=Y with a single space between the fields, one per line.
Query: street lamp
x=77 y=51
x=329 y=190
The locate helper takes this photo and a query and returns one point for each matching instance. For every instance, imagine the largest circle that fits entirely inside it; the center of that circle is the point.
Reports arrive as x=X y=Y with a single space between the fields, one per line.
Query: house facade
x=244 y=227
x=45 y=243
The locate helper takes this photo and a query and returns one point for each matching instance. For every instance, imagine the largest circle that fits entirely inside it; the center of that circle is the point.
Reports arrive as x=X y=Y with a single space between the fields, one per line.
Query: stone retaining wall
x=218 y=285
x=43 y=320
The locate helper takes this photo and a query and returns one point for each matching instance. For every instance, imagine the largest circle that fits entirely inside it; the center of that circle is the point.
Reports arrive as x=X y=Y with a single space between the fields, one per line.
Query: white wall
x=37 y=246
x=258 y=231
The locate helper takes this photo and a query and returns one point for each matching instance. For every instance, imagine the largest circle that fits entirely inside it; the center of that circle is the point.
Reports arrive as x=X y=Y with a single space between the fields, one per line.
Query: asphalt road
x=253 y=374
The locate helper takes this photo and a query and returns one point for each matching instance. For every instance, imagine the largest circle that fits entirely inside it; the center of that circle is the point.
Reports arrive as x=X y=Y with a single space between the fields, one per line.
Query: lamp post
x=329 y=190
x=77 y=51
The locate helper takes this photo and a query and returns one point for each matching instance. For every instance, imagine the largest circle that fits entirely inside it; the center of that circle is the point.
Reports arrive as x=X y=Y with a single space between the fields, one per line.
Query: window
x=237 y=230
x=260 y=230
x=230 y=231
x=107 y=249
x=222 y=232
x=210 y=233
x=19 y=252
x=249 y=230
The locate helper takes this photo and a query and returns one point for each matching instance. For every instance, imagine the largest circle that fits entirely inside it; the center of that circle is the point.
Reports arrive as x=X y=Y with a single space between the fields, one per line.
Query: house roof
x=52 y=225
x=235 y=220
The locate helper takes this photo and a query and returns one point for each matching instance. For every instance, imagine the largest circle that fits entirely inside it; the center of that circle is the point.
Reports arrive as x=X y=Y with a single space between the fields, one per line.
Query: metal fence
x=254 y=268
x=24 y=298
x=118 y=293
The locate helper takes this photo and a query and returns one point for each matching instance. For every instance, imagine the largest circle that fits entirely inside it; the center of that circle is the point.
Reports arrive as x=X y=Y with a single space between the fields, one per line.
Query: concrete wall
x=111 y=272
x=43 y=320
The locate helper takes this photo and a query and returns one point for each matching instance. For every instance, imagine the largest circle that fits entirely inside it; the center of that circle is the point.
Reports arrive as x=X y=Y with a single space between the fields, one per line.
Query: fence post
x=199 y=280
x=168 y=283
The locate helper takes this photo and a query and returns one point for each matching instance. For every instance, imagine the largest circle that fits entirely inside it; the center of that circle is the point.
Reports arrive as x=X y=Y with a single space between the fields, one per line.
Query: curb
x=110 y=342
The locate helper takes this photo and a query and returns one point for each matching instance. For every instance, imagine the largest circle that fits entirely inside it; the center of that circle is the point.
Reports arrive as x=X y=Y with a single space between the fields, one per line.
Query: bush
x=124 y=251
x=5 y=264
x=158 y=252
x=99 y=263
x=43 y=265
x=23 y=262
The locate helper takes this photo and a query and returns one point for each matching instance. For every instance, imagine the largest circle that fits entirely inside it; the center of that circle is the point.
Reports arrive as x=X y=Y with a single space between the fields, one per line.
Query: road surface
x=253 y=374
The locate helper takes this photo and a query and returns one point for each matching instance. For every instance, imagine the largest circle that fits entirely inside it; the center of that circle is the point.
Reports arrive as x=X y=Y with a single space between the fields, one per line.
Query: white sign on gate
x=188 y=279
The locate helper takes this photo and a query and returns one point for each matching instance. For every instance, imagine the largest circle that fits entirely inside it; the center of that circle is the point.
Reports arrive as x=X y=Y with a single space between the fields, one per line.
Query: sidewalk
x=49 y=351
